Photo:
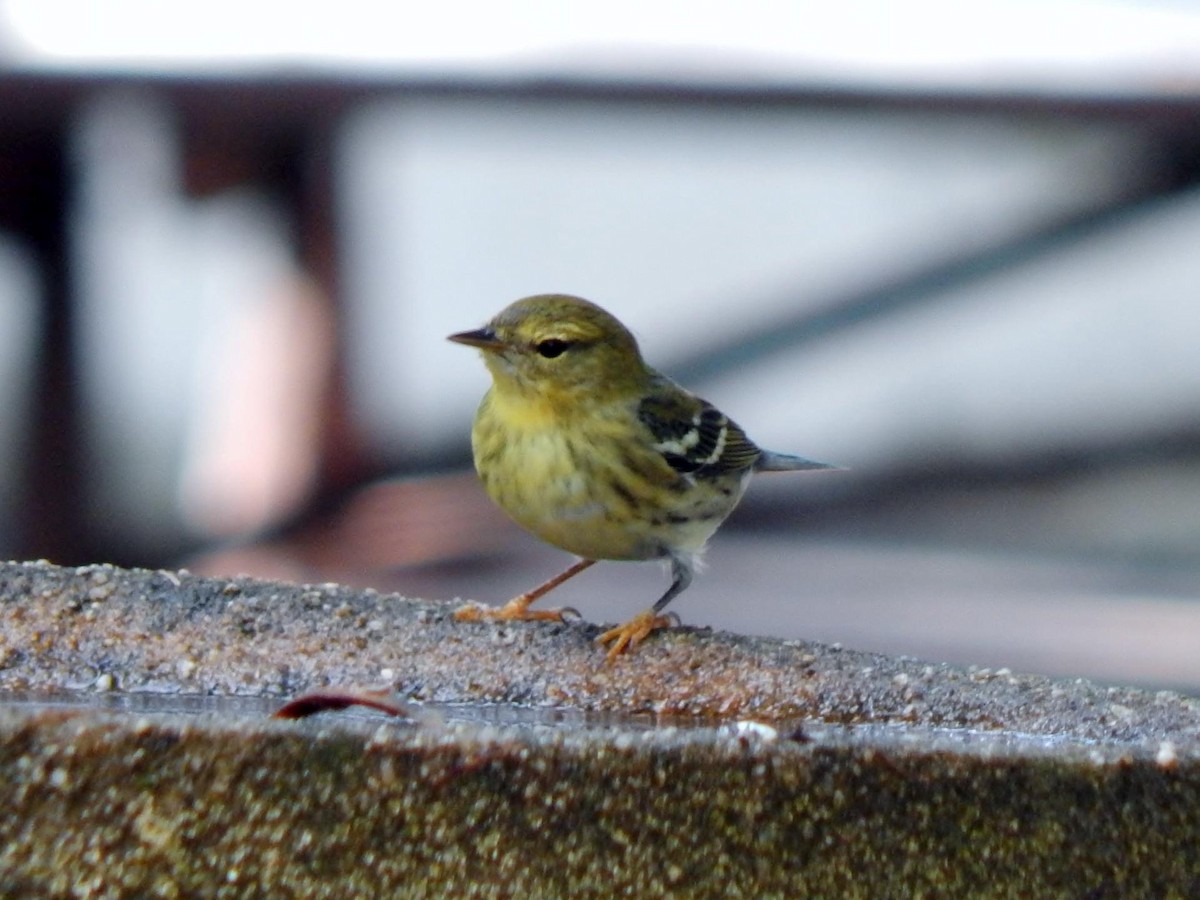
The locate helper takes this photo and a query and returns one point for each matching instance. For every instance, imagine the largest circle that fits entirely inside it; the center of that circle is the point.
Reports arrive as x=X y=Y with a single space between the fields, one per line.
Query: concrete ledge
x=903 y=778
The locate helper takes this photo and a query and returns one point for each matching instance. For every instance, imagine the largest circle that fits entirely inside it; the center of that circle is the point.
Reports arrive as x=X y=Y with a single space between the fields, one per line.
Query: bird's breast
x=592 y=488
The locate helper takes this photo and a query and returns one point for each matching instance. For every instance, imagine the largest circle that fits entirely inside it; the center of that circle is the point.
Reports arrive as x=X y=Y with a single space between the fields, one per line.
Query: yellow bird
x=589 y=448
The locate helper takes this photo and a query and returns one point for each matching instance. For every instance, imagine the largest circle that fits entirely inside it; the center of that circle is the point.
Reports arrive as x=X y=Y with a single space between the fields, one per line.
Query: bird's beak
x=483 y=338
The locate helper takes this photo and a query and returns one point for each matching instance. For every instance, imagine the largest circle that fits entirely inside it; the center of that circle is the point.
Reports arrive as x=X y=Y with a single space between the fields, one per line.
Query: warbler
x=589 y=448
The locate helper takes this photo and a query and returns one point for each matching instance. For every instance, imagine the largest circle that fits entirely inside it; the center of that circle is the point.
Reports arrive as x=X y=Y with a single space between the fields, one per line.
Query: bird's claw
x=628 y=635
x=515 y=610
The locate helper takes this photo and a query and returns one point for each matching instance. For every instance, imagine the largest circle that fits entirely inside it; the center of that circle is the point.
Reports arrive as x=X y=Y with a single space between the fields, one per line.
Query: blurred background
x=954 y=248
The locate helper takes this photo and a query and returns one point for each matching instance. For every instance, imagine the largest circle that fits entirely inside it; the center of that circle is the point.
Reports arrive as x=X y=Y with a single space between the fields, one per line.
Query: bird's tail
x=785 y=462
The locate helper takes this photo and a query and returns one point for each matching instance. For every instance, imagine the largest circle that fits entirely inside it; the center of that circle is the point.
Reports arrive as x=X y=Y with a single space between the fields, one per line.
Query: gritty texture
x=903 y=779
x=95 y=806
x=99 y=627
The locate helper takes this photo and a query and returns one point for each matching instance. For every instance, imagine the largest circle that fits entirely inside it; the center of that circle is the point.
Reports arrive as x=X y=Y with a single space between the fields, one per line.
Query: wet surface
x=533 y=724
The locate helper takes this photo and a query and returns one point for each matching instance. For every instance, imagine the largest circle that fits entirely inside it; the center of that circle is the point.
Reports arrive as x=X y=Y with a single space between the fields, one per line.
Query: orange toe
x=515 y=610
x=630 y=634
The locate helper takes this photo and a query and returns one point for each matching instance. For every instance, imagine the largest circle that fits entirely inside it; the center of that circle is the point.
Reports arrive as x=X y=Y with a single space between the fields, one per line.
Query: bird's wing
x=693 y=436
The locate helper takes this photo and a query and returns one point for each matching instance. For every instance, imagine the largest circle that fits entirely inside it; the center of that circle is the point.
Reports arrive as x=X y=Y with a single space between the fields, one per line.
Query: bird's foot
x=630 y=634
x=515 y=610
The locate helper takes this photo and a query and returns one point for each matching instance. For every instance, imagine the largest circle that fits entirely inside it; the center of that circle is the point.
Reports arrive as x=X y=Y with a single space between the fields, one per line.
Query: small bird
x=589 y=448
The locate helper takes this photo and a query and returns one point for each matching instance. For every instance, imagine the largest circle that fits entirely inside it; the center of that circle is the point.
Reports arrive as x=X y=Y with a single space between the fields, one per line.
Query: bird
x=586 y=446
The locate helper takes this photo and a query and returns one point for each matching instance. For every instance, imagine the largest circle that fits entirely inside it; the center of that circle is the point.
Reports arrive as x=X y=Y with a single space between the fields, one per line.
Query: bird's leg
x=630 y=634
x=518 y=607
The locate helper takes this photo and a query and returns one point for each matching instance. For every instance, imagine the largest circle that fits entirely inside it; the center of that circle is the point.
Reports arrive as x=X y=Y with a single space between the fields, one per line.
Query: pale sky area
x=1022 y=44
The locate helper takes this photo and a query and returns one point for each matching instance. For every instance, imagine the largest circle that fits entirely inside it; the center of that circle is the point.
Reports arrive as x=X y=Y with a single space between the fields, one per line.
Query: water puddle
x=539 y=723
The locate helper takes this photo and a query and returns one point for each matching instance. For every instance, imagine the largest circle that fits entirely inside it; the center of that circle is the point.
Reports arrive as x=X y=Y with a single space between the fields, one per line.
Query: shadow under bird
x=589 y=448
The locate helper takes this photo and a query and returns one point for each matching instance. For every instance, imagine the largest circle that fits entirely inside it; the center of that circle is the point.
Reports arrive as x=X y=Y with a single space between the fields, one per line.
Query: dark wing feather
x=693 y=436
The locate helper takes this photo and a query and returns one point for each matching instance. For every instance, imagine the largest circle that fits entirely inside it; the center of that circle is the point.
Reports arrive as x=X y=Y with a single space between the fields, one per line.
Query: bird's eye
x=552 y=347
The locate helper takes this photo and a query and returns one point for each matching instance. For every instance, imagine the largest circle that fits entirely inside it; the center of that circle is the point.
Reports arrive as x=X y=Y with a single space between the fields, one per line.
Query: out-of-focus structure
x=224 y=293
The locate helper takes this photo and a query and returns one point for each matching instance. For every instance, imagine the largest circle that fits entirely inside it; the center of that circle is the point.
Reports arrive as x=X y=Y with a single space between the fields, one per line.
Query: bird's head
x=558 y=349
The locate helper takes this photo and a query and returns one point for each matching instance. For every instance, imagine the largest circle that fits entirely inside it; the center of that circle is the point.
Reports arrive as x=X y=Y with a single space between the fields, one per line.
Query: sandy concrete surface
x=718 y=765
